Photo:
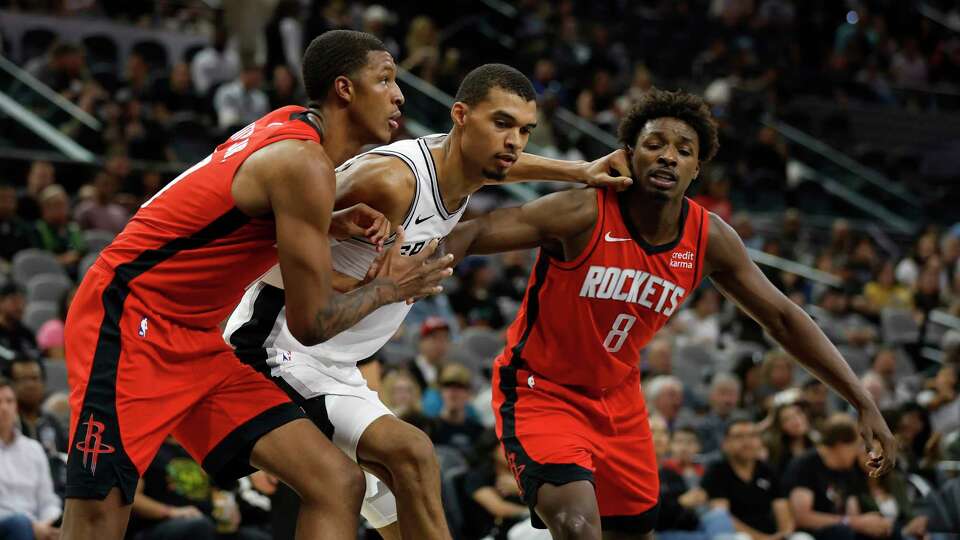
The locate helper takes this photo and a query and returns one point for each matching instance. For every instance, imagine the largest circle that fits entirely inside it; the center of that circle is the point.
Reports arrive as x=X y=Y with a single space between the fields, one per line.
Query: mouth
x=663 y=178
x=394 y=120
x=506 y=160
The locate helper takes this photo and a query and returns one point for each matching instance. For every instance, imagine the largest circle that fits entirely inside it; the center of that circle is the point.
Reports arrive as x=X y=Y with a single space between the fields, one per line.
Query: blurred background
x=839 y=167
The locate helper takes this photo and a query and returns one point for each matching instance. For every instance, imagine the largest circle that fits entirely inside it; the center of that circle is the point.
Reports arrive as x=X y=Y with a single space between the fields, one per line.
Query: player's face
x=665 y=158
x=376 y=107
x=496 y=130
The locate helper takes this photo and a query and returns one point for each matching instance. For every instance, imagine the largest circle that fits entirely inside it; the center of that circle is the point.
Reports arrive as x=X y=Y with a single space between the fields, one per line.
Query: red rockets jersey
x=584 y=322
x=189 y=252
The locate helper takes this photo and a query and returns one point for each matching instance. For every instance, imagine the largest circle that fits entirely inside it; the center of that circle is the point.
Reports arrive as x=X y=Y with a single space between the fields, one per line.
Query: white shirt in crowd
x=26 y=486
x=238 y=106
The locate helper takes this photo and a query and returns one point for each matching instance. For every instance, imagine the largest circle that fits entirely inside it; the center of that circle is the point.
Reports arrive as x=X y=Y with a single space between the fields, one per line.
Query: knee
x=415 y=456
x=572 y=524
x=331 y=484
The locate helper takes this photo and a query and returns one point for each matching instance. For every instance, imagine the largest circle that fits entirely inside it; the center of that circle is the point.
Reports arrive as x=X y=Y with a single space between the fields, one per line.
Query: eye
x=500 y=123
x=685 y=152
x=525 y=130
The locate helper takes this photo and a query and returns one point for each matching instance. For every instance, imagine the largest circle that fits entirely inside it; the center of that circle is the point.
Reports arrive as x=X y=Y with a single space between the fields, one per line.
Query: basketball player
x=145 y=356
x=423 y=184
x=610 y=273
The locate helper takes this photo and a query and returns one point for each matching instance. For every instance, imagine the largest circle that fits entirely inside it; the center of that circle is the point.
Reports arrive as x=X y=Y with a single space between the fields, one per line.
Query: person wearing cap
x=455 y=427
x=432 y=352
x=16 y=340
x=55 y=231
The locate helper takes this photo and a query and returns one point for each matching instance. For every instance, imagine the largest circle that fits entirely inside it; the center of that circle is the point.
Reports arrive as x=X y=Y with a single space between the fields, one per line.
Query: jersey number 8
x=618 y=334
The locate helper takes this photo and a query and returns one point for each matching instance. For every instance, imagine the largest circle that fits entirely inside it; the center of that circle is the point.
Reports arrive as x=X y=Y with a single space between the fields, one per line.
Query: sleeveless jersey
x=426 y=219
x=584 y=322
x=189 y=252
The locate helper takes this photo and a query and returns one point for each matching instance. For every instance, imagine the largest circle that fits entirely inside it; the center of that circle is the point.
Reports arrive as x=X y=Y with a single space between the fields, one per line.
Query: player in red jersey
x=145 y=356
x=613 y=267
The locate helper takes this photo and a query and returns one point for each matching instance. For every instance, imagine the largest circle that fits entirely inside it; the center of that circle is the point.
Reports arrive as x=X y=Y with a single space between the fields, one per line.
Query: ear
x=344 y=89
x=458 y=113
x=696 y=172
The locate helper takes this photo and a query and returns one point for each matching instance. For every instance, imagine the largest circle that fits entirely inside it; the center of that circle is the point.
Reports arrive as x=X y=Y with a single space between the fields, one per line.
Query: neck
x=829 y=459
x=743 y=467
x=6 y=435
x=340 y=139
x=456 y=177
x=656 y=221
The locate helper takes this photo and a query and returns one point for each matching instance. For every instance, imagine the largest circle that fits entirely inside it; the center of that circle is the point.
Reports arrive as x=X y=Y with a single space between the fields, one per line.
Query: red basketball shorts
x=136 y=378
x=558 y=434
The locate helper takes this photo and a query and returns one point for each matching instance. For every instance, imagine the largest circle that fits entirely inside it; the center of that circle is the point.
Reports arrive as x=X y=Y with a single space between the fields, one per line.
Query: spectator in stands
x=137 y=83
x=437 y=305
x=889 y=497
x=747 y=487
x=432 y=355
x=493 y=502
x=101 y=212
x=699 y=325
x=787 y=437
x=55 y=232
x=749 y=371
x=241 y=101
x=724 y=396
x=765 y=165
x=881 y=378
x=909 y=67
x=658 y=358
x=715 y=195
x=684 y=448
x=942 y=398
x=454 y=427
x=16 y=340
x=176 y=95
x=375 y=21
x=883 y=292
x=401 y=394
x=840 y=323
x=815 y=398
x=215 y=64
x=422 y=49
x=679 y=517
x=918 y=443
x=39 y=177
x=596 y=103
x=64 y=69
x=284 y=88
x=28 y=505
x=28 y=379
x=908 y=269
x=665 y=393
x=474 y=302
x=823 y=484
x=14 y=232
x=50 y=335
x=777 y=373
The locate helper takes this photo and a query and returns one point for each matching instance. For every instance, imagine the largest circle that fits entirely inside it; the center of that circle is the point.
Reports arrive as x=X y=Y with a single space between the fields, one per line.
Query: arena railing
x=41 y=128
x=32 y=84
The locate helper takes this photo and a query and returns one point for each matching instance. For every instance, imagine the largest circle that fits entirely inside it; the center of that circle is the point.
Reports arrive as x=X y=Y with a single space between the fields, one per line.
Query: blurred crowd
x=741 y=431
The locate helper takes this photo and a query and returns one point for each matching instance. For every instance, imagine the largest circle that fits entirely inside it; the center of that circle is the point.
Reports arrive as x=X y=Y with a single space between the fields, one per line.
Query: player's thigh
x=94 y=518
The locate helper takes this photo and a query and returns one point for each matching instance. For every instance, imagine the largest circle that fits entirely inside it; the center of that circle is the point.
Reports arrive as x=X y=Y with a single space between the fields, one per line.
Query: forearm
x=150 y=508
x=496 y=505
x=345 y=310
x=531 y=167
x=803 y=339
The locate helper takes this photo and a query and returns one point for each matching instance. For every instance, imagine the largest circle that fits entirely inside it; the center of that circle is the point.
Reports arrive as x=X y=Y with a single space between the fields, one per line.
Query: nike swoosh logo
x=609 y=238
x=420 y=220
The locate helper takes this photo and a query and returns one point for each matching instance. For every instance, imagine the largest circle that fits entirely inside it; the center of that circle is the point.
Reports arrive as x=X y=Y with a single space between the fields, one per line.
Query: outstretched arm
x=731 y=269
x=553 y=218
x=611 y=170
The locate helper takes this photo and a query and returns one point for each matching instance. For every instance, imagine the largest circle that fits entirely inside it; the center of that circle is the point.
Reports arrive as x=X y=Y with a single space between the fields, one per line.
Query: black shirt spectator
x=15 y=338
x=14 y=232
x=830 y=488
x=751 y=502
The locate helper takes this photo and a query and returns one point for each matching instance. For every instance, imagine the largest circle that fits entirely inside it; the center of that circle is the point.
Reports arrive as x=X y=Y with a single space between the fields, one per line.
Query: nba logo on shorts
x=143 y=327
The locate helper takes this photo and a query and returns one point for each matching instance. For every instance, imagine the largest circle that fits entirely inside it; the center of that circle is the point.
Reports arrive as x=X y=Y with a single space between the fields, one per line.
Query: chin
x=497 y=175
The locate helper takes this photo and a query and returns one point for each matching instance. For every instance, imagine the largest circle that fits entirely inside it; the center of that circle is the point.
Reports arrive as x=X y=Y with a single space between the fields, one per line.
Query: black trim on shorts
x=230 y=458
x=640 y=523
x=98 y=427
x=316 y=409
x=530 y=473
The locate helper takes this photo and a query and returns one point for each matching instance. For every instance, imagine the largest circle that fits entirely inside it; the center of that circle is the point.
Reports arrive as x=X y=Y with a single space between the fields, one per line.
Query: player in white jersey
x=423 y=184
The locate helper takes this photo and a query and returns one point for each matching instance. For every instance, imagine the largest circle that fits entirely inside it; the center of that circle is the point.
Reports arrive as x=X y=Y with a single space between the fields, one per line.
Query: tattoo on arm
x=345 y=310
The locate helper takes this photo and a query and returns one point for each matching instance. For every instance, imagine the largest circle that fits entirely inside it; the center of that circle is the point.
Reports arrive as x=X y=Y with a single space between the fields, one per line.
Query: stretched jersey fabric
x=189 y=251
x=583 y=322
x=259 y=321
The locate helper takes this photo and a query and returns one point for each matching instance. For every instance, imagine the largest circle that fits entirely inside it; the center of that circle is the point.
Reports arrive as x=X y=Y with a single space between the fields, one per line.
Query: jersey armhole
x=594 y=238
x=703 y=238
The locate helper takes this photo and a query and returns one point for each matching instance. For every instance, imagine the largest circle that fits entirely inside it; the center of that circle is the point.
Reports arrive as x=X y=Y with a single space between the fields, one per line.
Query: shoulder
x=378 y=171
x=294 y=158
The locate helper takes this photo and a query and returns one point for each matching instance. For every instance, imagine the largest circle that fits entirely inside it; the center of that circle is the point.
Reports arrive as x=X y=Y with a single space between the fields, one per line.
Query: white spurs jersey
x=258 y=324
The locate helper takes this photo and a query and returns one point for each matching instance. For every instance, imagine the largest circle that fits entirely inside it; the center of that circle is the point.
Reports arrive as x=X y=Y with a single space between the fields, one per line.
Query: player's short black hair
x=477 y=84
x=332 y=54
x=684 y=106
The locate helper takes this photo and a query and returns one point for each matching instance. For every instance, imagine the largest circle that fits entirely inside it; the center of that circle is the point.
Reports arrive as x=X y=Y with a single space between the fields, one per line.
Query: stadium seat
x=56 y=376
x=899 y=327
x=96 y=239
x=38 y=313
x=34 y=262
x=85 y=263
x=47 y=287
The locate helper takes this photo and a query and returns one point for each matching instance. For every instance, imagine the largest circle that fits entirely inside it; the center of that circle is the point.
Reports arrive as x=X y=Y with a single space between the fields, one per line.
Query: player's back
x=189 y=251
x=583 y=322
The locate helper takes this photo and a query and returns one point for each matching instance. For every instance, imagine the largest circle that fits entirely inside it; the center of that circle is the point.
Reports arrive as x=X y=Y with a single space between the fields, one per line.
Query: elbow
x=306 y=334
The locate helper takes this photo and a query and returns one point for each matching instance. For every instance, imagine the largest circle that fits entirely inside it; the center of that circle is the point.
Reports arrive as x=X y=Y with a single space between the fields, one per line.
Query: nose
x=512 y=140
x=668 y=157
x=398 y=98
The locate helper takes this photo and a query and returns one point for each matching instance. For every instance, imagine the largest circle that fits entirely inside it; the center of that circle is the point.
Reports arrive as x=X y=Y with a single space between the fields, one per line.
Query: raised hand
x=360 y=220
x=875 y=432
x=415 y=276
x=609 y=171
